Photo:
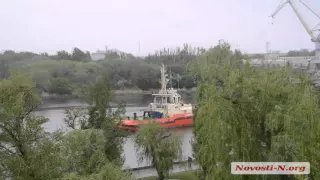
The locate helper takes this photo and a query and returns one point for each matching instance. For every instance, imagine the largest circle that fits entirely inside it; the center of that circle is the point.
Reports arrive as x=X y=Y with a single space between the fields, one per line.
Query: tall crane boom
x=281 y=6
x=314 y=38
x=305 y=25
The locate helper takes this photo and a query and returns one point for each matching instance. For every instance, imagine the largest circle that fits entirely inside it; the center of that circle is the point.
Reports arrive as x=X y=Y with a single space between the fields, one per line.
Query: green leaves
x=84 y=151
x=99 y=92
x=76 y=118
x=159 y=147
x=108 y=172
x=17 y=96
x=26 y=151
x=249 y=114
x=61 y=86
x=100 y=116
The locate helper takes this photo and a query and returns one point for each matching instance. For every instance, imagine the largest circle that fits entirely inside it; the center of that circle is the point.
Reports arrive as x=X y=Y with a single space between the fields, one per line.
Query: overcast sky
x=51 y=25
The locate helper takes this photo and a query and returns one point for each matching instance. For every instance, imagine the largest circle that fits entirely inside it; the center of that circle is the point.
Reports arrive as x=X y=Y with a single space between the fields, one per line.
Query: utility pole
x=267 y=50
x=267 y=47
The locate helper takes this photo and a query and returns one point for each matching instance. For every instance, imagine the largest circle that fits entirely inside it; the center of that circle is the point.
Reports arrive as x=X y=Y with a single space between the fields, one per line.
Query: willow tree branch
x=233 y=101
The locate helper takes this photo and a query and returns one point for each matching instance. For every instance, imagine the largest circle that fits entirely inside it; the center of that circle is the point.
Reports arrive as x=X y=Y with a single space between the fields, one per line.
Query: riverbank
x=46 y=96
x=185 y=175
x=126 y=92
x=120 y=92
x=151 y=173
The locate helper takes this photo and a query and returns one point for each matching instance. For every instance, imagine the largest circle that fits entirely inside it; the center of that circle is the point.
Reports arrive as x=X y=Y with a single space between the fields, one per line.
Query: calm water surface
x=54 y=111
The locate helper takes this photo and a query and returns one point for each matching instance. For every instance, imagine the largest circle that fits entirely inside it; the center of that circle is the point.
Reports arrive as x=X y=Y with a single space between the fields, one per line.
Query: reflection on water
x=57 y=115
x=131 y=158
x=135 y=103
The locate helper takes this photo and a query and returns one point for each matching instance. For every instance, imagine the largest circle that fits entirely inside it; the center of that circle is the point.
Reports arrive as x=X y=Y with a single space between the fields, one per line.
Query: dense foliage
x=125 y=70
x=65 y=73
x=301 y=52
x=28 y=152
x=99 y=116
x=248 y=115
x=24 y=146
x=159 y=147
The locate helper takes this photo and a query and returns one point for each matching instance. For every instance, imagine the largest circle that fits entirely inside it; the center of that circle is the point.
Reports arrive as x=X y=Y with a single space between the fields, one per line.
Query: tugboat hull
x=167 y=109
x=178 y=120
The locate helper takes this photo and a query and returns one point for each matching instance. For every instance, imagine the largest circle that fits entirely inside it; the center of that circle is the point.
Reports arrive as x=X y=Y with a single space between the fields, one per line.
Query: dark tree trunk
x=161 y=176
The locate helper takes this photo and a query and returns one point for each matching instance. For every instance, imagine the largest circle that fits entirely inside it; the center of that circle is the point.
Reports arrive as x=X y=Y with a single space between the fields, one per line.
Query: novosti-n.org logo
x=270 y=168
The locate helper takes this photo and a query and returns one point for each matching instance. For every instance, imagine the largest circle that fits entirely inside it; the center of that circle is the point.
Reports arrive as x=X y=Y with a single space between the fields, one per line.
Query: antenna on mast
x=164 y=80
x=170 y=78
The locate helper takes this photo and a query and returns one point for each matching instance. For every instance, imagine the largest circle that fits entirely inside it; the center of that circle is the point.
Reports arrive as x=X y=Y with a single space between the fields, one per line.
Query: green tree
x=61 y=86
x=76 y=118
x=79 y=55
x=158 y=146
x=99 y=115
x=85 y=157
x=26 y=151
x=4 y=69
x=84 y=151
x=42 y=80
x=145 y=76
x=12 y=56
x=63 y=55
x=98 y=95
x=251 y=115
x=85 y=73
x=108 y=172
x=301 y=52
x=111 y=55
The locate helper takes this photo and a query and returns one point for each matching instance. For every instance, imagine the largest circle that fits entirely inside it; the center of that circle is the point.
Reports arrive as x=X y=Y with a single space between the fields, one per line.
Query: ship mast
x=170 y=79
x=164 y=80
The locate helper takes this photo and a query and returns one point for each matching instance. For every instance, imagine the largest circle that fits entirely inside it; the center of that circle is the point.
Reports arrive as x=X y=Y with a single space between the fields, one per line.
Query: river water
x=54 y=111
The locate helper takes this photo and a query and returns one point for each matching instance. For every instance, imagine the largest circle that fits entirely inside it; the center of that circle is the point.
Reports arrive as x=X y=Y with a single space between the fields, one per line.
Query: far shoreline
x=130 y=91
x=62 y=101
x=46 y=96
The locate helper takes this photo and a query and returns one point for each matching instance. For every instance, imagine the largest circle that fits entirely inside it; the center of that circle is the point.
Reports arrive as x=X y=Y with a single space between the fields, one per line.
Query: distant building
x=107 y=54
x=253 y=62
x=266 y=55
x=98 y=55
x=276 y=58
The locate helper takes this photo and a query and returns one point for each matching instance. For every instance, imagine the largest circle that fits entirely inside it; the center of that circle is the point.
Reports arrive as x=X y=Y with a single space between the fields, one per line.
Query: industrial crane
x=315 y=37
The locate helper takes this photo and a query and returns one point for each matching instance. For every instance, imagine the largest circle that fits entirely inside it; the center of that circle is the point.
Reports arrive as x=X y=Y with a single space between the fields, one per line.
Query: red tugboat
x=177 y=120
x=167 y=109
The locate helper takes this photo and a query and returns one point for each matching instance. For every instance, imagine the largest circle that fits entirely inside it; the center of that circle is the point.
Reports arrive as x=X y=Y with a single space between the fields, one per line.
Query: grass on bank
x=187 y=175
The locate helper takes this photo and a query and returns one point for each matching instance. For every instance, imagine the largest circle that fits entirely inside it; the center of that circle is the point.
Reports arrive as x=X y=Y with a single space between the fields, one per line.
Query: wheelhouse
x=152 y=115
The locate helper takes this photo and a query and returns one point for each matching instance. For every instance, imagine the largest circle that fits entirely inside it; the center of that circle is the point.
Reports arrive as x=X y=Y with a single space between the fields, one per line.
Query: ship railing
x=139 y=118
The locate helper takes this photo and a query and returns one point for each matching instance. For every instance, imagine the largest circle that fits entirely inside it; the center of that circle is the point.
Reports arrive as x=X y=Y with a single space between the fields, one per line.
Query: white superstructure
x=168 y=101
